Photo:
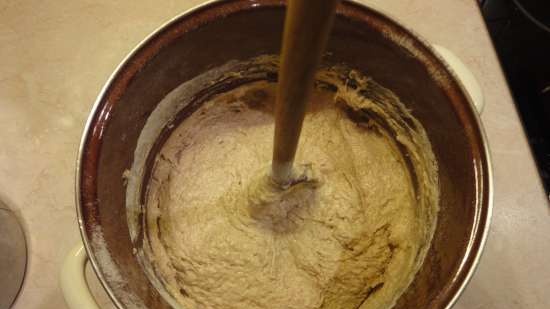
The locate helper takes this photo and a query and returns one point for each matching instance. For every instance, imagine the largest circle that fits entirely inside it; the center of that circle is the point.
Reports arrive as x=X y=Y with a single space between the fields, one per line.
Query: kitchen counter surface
x=56 y=55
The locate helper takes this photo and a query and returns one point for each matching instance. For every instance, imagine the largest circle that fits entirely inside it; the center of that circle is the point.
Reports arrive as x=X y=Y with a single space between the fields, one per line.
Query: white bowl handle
x=464 y=74
x=73 y=281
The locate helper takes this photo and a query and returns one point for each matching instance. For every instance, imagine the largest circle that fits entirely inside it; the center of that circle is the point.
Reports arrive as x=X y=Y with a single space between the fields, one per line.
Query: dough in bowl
x=350 y=232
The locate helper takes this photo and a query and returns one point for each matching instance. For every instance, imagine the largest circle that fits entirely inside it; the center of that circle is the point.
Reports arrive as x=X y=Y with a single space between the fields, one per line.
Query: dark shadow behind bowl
x=216 y=33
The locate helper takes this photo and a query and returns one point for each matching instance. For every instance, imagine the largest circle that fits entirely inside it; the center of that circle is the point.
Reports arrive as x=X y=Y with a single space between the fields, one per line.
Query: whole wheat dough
x=350 y=233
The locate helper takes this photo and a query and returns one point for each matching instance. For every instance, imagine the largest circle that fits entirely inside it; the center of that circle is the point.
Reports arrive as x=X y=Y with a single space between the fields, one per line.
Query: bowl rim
x=484 y=188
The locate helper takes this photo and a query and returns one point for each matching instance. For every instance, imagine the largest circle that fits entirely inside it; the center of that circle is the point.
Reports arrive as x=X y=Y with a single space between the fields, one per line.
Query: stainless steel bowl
x=217 y=32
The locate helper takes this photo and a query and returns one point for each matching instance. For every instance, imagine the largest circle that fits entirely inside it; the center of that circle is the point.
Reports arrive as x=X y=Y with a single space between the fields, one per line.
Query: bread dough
x=351 y=232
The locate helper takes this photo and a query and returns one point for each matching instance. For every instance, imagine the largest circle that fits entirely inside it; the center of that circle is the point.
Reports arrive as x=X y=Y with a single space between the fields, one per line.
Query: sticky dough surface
x=352 y=235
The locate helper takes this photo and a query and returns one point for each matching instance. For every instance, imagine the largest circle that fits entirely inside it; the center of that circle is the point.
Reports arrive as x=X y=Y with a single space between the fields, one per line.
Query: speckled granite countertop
x=56 y=55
